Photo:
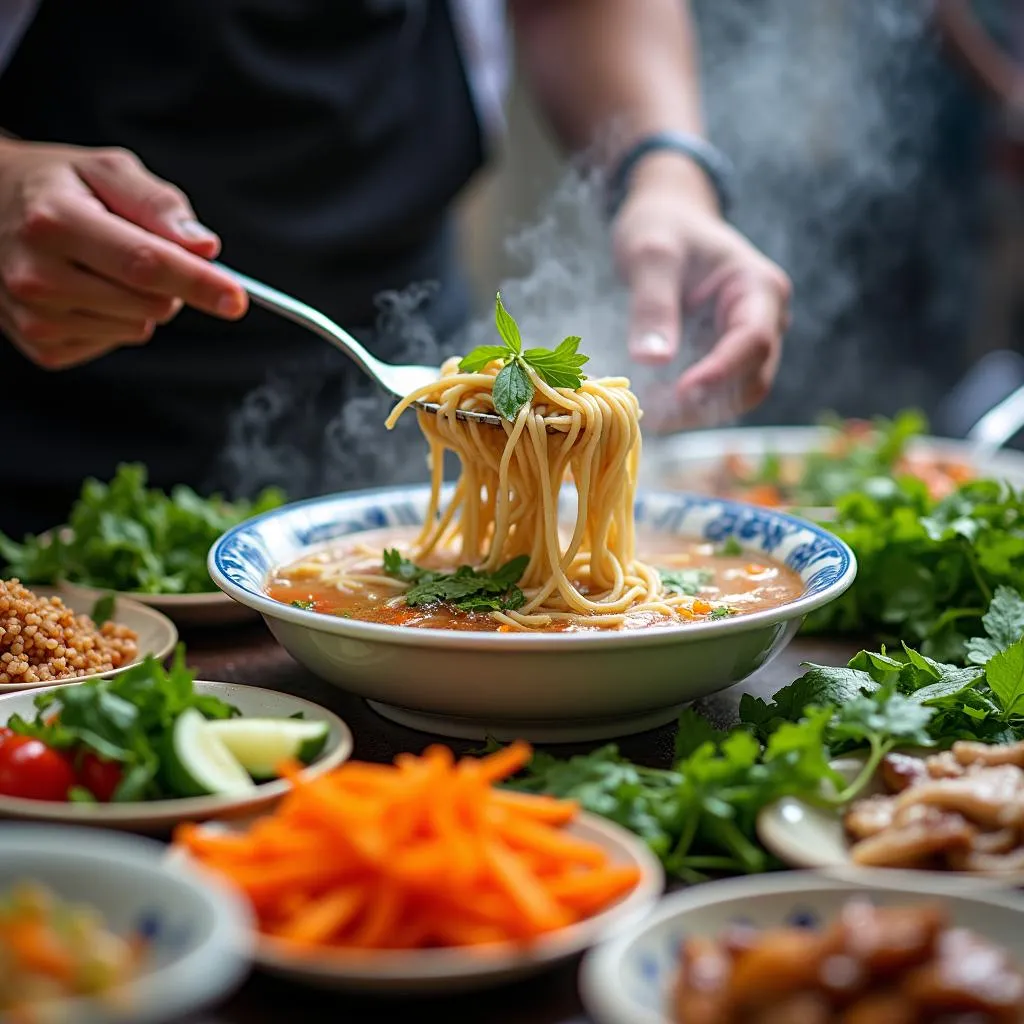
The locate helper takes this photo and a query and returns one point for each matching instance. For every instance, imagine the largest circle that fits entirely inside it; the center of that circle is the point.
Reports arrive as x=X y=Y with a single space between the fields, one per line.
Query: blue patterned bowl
x=197 y=933
x=629 y=980
x=546 y=687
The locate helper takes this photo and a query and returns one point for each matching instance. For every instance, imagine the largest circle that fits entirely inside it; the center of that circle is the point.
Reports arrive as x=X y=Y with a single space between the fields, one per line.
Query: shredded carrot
x=426 y=852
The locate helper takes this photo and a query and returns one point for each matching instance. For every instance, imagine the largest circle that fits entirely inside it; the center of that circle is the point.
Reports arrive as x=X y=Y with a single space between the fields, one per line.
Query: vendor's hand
x=95 y=252
x=675 y=253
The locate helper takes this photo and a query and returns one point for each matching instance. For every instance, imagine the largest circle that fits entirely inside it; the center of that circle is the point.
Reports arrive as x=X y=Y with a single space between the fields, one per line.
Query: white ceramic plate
x=211 y=609
x=688 y=461
x=160 y=815
x=453 y=970
x=157 y=634
x=629 y=980
x=546 y=687
x=199 y=932
x=804 y=836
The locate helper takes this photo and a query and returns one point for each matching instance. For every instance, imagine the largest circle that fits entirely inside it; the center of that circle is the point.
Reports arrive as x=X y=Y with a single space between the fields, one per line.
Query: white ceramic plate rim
x=437 y=965
x=202 y=599
x=186 y=807
x=464 y=640
x=136 y=608
x=599 y=972
x=772 y=828
x=202 y=969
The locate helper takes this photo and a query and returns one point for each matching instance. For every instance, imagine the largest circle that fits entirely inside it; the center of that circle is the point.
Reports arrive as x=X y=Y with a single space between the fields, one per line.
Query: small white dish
x=802 y=835
x=157 y=635
x=209 y=609
x=629 y=980
x=199 y=931
x=456 y=970
x=158 y=816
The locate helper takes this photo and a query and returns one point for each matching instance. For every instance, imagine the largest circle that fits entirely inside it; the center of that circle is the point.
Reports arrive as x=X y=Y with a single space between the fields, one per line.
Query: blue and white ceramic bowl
x=546 y=687
x=198 y=933
x=629 y=980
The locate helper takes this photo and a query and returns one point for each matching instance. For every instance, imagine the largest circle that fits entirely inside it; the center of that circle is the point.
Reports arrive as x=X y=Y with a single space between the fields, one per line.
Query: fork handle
x=298 y=312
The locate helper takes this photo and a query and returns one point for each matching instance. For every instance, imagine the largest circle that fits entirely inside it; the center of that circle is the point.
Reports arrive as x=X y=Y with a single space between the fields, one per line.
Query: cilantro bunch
x=513 y=388
x=125 y=536
x=466 y=589
x=927 y=570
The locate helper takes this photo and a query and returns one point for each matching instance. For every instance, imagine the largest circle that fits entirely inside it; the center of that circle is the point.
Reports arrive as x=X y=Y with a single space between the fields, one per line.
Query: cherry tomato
x=5 y=734
x=99 y=776
x=31 y=769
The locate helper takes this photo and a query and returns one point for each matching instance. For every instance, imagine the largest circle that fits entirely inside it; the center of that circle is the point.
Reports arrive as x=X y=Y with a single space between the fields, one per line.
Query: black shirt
x=323 y=141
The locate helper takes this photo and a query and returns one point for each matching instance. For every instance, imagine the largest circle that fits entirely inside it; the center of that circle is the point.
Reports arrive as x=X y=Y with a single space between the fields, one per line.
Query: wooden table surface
x=252 y=656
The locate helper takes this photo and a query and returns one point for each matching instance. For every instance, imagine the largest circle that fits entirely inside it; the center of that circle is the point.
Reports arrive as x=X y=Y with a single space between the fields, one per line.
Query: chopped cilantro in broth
x=440 y=592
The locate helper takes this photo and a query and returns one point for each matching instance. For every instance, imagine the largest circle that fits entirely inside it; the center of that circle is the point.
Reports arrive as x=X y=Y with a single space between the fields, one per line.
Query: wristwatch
x=712 y=161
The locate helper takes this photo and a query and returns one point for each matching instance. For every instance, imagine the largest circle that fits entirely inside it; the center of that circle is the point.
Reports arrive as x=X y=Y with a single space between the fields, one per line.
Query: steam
x=828 y=111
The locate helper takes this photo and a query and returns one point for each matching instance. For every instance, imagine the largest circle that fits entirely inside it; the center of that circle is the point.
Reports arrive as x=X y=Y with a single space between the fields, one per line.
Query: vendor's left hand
x=676 y=253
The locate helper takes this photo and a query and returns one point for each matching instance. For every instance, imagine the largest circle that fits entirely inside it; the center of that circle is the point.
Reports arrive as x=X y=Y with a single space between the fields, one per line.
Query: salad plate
x=630 y=979
x=159 y=816
x=157 y=634
x=447 y=970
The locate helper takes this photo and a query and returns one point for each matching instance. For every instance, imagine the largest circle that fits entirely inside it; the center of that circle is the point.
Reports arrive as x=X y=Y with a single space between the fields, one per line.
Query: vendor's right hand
x=95 y=251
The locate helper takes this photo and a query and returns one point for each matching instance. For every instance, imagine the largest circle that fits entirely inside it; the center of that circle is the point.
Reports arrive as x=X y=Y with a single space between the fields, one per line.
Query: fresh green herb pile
x=127 y=537
x=927 y=569
x=512 y=389
x=700 y=816
x=127 y=719
x=826 y=475
x=465 y=589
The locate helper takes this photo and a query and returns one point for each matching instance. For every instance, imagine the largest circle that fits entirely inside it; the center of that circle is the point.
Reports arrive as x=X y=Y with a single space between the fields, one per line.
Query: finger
x=746 y=357
x=131 y=256
x=65 y=356
x=53 y=329
x=655 y=317
x=126 y=188
x=51 y=284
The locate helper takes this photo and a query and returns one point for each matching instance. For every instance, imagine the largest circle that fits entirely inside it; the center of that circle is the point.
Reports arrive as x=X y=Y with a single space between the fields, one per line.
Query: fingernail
x=195 y=232
x=652 y=344
x=230 y=304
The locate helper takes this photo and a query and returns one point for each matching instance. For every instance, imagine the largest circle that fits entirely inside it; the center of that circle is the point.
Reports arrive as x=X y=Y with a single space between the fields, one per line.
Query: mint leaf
x=1005 y=675
x=1003 y=624
x=508 y=329
x=481 y=356
x=685 y=581
x=103 y=609
x=559 y=368
x=512 y=390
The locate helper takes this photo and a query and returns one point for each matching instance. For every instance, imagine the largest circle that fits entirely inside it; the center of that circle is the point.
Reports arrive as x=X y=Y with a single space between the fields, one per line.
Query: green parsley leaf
x=1003 y=624
x=512 y=390
x=694 y=731
x=685 y=581
x=103 y=609
x=722 y=612
x=306 y=606
x=80 y=795
x=730 y=546
x=481 y=356
x=400 y=568
x=1005 y=676
x=465 y=589
x=559 y=368
x=508 y=329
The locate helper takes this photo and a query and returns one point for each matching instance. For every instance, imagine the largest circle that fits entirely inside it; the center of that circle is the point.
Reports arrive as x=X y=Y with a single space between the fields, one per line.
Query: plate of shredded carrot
x=426 y=875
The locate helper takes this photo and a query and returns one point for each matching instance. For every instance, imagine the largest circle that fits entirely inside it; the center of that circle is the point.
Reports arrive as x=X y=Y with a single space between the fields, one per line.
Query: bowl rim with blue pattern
x=207 y=939
x=242 y=559
x=627 y=980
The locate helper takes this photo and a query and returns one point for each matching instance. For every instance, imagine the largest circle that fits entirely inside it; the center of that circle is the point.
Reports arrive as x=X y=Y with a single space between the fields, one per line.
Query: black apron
x=323 y=141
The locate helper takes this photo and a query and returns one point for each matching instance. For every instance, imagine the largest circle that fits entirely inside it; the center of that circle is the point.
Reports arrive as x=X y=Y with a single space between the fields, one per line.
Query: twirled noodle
x=505 y=503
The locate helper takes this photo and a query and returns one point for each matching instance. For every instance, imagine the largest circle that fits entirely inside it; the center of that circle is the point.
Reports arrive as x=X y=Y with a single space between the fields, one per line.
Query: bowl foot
x=570 y=730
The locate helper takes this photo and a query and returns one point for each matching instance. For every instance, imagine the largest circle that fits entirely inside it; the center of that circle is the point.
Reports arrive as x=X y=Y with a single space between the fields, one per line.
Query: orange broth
x=744 y=583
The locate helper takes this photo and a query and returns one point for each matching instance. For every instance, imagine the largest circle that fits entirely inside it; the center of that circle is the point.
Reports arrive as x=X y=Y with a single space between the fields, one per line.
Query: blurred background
x=872 y=165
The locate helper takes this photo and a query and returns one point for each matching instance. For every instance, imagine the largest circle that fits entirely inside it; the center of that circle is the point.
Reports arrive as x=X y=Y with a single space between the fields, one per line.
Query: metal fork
x=397 y=380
